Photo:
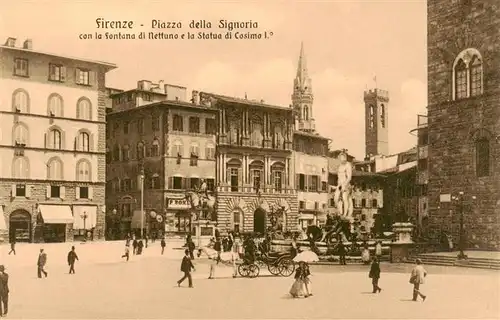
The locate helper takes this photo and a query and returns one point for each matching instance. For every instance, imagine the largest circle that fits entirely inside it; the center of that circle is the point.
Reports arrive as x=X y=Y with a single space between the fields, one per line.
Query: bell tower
x=302 y=97
x=376 y=122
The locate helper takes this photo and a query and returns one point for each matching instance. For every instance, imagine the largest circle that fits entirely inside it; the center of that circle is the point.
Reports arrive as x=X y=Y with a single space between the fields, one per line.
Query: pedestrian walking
x=186 y=267
x=297 y=289
x=42 y=261
x=135 y=244
x=72 y=257
x=341 y=250
x=418 y=275
x=127 y=240
x=140 y=245
x=13 y=246
x=163 y=245
x=375 y=275
x=127 y=253
x=234 y=257
x=191 y=247
x=4 y=292
x=307 y=280
x=378 y=250
x=365 y=255
x=146 y=240
x=216 y=259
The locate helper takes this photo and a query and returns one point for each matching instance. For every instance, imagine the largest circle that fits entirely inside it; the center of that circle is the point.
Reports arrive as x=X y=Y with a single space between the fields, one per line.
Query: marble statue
x=343 y=193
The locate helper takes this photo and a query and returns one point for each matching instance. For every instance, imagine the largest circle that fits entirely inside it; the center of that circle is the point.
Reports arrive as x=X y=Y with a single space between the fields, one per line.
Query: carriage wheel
x=287 y=267
x=243 y=270
x=260 y=263
x=253 y=270
x=274 y=268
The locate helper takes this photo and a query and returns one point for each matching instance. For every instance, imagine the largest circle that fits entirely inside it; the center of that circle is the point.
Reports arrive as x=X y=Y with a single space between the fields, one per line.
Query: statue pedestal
x=400 y=248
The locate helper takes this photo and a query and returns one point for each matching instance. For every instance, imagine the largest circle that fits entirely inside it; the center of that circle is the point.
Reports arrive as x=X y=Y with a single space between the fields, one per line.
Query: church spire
x=302 y=65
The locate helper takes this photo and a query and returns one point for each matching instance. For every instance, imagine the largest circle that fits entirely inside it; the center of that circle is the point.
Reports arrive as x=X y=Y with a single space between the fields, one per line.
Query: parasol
x=306 y=256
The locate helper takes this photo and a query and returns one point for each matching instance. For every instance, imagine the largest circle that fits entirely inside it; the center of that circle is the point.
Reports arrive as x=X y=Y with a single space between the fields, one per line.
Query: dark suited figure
x=72 y=257
x=191 y=247
x=42 y=261
x=13 y=247
x=186 y=267
x=341 y=253
x=375 y=275
x=4 y=291
x=163 y=245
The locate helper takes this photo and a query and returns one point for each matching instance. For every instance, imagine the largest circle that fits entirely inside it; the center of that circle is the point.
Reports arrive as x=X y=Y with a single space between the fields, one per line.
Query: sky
x=347 y=44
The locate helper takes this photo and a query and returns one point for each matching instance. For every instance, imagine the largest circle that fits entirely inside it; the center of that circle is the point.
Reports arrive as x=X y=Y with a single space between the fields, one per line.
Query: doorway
x=20 y=226
x=259 y=221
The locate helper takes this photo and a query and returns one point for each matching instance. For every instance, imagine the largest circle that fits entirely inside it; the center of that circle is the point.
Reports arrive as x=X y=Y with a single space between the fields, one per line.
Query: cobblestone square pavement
x=145 y=287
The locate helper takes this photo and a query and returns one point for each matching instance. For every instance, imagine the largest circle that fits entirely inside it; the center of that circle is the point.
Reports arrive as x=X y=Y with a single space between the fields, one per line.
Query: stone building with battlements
x=52 y=145
x=463 y=47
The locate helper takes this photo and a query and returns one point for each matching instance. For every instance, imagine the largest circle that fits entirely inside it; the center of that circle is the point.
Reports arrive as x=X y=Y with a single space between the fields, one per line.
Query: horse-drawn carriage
x=278 y=264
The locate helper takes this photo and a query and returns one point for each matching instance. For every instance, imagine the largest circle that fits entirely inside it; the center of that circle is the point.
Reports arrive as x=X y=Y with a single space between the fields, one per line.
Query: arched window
x=83 y=172
x=20 y=101
x=476 y=75
x=20 y=168
x=55 y=169
x=467 y=74
x=461 y=79
x=372 y=116
x=21 y=134
x=84 y=109
x=126 y=153
x=155 y=148
x=55 y=139
x=482 y=146
x=55 y=106
x=306 y=113
x=140 y=150
x=84 y=141
x=382 y=115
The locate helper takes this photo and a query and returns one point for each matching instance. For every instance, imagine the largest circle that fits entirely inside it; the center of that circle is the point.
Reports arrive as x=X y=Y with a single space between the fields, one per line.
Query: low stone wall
x=286 y=246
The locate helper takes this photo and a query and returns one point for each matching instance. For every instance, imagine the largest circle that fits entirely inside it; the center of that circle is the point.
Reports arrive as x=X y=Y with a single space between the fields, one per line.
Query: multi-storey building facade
x=464 y=119
x=255 y=185
x=310 y=151
x=422 y=171
x=52 y=144
x=157 y=138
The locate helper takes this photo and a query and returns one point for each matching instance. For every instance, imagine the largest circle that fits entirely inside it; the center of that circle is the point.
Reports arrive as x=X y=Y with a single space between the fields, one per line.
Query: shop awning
x=3 y=225
x=136 y=220
x=53 y=214
x=306 y=216
x=79 y=212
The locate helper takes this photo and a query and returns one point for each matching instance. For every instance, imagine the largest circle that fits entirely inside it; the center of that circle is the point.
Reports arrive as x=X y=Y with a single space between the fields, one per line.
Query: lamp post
x=142 y=204
x=460 y=198
x=115 y=232
x=84 y=216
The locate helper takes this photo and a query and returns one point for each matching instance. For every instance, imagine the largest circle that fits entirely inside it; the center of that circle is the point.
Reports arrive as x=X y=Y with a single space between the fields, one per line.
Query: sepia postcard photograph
x=251 y=159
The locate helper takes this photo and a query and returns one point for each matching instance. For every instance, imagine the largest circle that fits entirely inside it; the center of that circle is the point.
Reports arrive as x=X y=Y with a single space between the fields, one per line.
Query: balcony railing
x=252 y=190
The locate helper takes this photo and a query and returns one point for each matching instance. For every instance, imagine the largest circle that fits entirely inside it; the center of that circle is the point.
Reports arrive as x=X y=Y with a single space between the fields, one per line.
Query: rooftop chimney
x=28 y=44
x=11 y=42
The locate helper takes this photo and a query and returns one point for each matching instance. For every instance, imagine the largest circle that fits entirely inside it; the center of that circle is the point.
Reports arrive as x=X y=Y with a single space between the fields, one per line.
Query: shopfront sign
x=178 y=204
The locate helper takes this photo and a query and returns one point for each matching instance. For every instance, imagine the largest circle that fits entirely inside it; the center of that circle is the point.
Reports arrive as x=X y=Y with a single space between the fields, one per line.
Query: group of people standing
x=138 y=246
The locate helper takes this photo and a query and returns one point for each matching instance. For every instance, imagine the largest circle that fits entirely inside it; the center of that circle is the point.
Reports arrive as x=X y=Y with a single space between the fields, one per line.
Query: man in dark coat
x=72 y=257
x=13 y=246
x=163 y=245
x=341 y=253
x=191 y=247
x=375 y=275
x=186 y=267
x=135 y=244
x=42 y=261
x=4 y=292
